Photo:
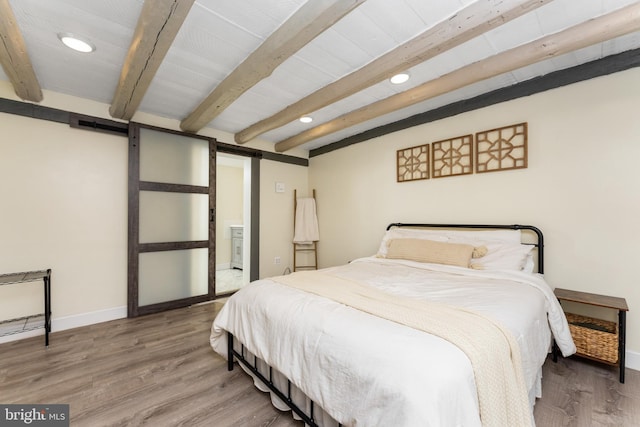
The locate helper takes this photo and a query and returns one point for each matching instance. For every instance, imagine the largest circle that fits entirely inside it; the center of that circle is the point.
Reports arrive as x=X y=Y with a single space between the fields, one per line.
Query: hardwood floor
x=156 y=370
x=577 y=392
x=160 y=370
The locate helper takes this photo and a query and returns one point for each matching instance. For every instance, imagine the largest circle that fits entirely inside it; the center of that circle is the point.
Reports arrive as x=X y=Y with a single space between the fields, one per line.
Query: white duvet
x=367 y=371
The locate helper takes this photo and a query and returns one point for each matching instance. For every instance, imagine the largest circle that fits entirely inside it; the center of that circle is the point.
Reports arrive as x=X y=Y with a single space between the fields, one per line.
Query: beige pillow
x=422 y=250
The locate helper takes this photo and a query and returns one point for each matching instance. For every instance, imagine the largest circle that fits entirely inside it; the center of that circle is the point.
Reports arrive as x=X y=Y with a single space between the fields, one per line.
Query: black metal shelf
x=33 y=321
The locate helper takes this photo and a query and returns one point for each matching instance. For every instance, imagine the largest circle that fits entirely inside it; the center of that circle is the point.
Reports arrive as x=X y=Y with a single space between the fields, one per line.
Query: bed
x=446 y=325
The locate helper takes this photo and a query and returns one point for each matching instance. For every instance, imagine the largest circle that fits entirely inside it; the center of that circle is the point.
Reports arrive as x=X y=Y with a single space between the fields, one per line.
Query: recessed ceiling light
x=306 y=119
x=399 y=78
x=76 y=43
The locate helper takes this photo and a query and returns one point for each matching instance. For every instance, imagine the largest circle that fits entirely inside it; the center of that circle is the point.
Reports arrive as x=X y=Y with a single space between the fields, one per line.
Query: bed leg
x=554 y=351
x=229 y=351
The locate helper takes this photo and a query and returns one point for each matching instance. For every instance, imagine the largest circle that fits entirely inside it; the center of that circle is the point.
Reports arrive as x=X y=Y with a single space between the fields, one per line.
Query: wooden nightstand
x=598 y=332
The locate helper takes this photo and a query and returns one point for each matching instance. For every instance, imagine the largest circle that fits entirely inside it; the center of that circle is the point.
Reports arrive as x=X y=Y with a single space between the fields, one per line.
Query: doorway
x=233 y=223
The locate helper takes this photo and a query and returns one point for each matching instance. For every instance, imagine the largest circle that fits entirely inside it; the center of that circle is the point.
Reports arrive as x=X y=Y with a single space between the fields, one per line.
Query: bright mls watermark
x=34 y=415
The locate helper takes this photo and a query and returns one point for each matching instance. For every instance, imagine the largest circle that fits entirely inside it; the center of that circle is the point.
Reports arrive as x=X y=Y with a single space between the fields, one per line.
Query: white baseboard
x=74 y=321
x=632 y=360
x=77 y=320
x=223 y=266
x=23 y=335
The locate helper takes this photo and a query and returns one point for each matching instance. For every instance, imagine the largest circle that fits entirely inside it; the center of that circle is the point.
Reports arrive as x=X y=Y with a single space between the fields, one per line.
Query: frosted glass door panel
x=173 y=159
x=172 y=275
x=173 y=217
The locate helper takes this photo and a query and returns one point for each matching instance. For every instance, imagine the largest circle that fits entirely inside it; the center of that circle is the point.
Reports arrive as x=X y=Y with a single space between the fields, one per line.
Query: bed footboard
x=233 y=354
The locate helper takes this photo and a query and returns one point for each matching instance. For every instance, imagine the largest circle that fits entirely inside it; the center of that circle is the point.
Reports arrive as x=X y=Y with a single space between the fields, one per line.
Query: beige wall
x=582 y=186
x=276 y=229
x=63 y=194
x=229 y=209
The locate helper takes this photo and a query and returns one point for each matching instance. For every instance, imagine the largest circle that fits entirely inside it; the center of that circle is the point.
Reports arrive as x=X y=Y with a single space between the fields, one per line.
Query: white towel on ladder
x=306 y=226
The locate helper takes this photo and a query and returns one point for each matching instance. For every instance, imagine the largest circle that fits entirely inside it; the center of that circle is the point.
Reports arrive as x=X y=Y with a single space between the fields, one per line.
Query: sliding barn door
x=171 y=220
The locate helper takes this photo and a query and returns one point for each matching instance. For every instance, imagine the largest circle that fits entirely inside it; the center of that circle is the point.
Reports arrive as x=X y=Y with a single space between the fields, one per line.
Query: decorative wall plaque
x=413 y=163
x=502 y=148
x=452 y=157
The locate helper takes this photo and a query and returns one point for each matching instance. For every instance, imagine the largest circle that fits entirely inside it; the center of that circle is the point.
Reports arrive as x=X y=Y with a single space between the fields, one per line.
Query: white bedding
x=364 y=370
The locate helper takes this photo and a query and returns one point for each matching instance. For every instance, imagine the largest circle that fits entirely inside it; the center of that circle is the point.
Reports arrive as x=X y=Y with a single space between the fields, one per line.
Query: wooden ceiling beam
x=157 y=27
x=310 y=20
x=466 y=24
x=14 y=57
x=615 y=24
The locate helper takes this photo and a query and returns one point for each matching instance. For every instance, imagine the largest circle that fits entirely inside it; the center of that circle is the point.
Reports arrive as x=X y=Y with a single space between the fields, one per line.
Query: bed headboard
x=539 y=243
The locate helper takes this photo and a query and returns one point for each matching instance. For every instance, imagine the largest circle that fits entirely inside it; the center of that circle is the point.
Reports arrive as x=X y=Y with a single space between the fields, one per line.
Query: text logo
x=34 y=415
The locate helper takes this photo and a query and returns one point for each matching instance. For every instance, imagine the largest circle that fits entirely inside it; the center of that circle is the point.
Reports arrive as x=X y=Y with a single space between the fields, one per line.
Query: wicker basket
x=594 y=338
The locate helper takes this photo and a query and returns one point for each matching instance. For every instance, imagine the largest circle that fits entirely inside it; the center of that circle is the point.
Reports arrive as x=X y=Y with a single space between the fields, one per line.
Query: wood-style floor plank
x=580 y=393
x=159 y=370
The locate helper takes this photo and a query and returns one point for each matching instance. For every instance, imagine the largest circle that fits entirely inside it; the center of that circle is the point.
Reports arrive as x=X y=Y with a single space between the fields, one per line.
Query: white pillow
x=480 y=236
x=529 y=263
x=503 y=256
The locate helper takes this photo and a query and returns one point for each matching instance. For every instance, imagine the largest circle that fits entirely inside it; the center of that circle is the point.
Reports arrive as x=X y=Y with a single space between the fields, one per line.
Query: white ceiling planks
x=109 y=25
x=310 y=20
x=617 y=23
x=449 y=32
x=453 y=59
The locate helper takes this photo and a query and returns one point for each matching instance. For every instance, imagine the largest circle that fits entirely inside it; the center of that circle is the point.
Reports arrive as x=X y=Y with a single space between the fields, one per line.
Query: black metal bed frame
x=308 y=419
x=286 y=398
x=539 y=244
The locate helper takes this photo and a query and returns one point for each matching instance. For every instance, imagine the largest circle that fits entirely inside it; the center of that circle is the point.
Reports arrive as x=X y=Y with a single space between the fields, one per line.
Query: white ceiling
x=218 y=35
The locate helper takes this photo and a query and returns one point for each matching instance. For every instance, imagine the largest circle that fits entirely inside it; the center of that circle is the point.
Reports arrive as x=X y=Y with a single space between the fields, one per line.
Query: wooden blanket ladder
x=309 y=251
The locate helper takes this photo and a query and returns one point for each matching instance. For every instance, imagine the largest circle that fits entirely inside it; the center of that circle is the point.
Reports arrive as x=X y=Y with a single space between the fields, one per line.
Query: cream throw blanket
x=493 y=352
